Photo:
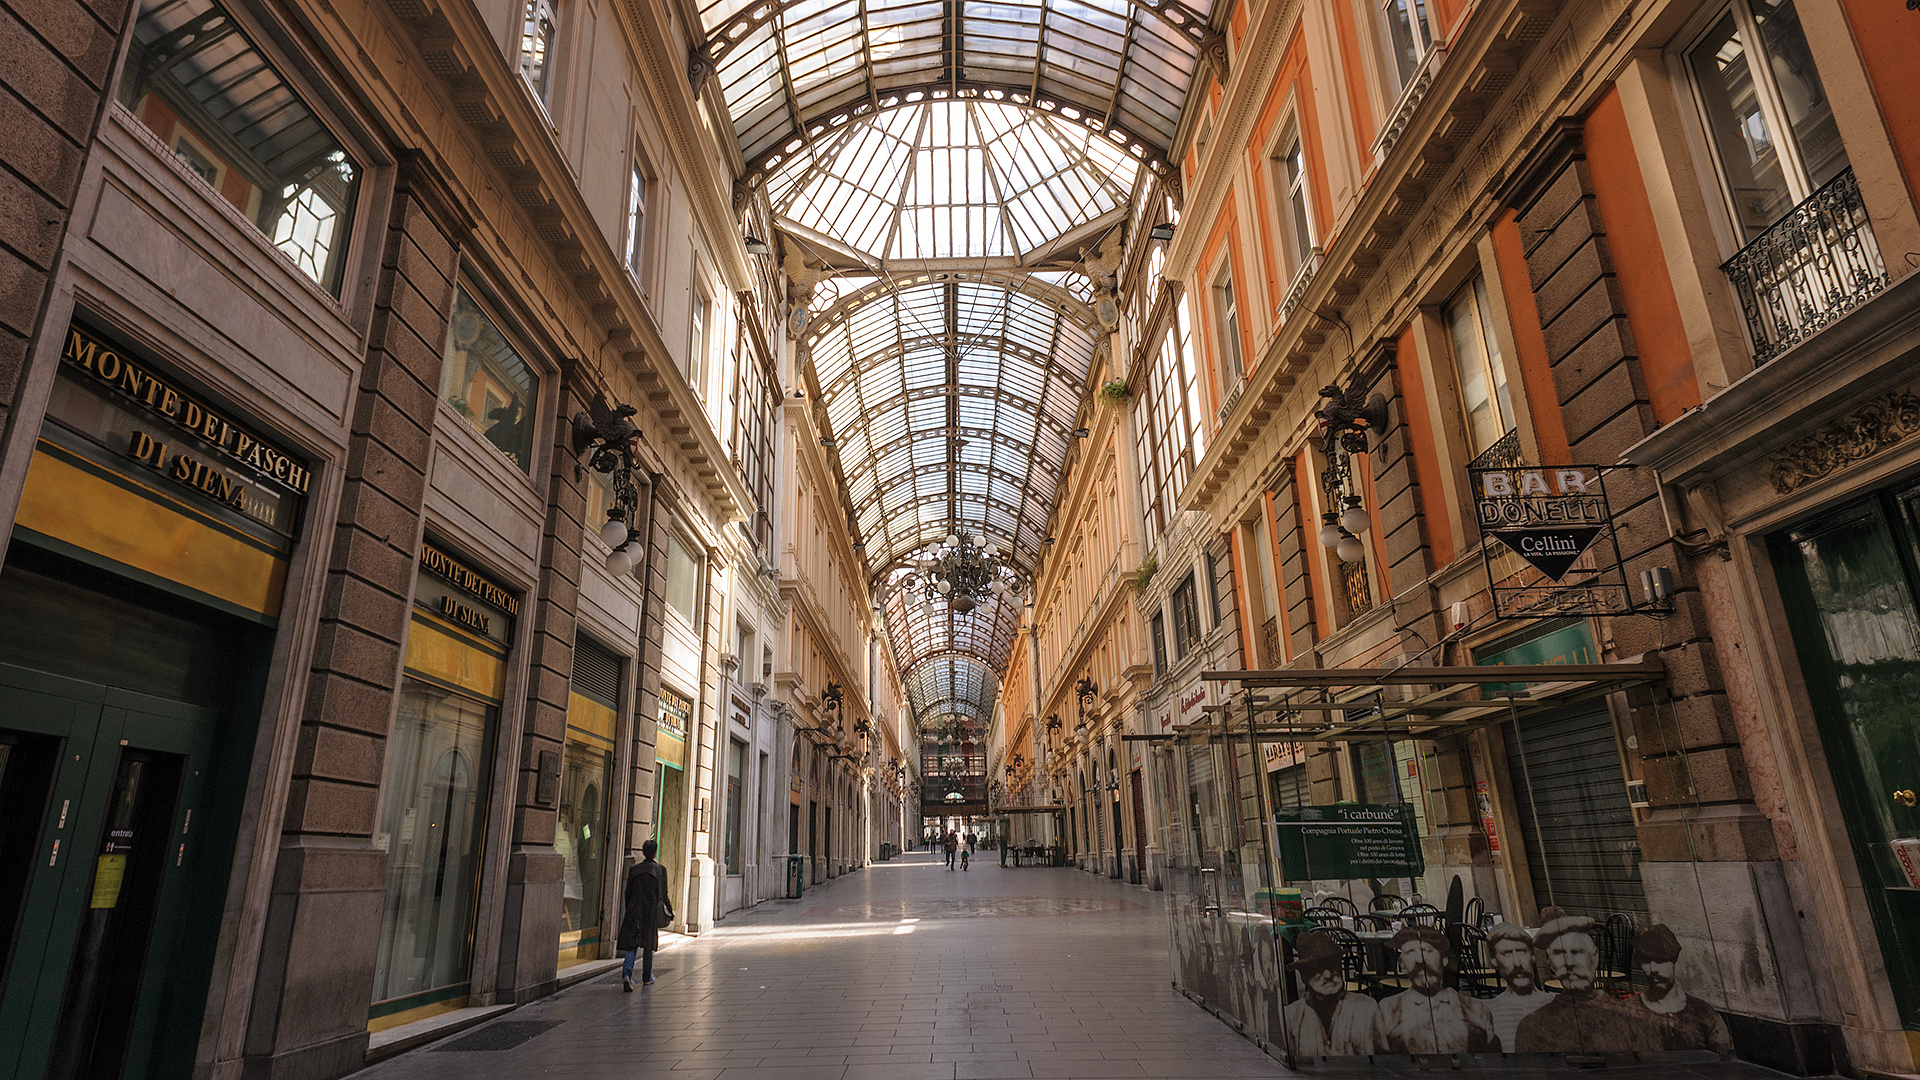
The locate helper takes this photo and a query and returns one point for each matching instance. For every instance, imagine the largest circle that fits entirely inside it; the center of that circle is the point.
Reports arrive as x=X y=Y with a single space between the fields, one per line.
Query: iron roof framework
x=792 y=70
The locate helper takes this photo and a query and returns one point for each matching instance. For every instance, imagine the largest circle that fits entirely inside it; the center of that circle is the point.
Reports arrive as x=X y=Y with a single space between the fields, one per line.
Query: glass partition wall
x=1517 y=875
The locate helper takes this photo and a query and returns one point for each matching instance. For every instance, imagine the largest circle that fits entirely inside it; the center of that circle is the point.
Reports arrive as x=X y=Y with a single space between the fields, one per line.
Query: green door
x=1850 y=582
x=110 y=779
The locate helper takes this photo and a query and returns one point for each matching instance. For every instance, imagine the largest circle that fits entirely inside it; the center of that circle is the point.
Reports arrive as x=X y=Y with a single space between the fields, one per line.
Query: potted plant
x=1114 y=393
x=1143 y=574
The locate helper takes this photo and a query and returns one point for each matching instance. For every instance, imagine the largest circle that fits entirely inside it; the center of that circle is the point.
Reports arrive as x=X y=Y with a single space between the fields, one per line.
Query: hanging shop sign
x=1558 y=521
x=1348 y=840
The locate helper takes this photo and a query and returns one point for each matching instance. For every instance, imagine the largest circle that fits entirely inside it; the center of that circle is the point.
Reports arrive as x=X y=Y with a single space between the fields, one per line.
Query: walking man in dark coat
x=647 y=910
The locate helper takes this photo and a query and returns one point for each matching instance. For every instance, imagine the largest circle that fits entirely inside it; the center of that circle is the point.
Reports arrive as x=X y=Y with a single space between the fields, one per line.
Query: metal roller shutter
x=1583 y=852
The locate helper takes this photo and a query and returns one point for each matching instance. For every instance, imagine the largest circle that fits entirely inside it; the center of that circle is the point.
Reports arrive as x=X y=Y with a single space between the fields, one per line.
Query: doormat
x=503 y=1035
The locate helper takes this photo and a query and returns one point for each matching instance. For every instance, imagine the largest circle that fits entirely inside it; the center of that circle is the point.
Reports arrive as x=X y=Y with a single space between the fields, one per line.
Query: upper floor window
x=1297 y=230
x=697 y=344
x=637 y=223
x=1231 y=359
x=536 y=47
x=486 y=379
x=1186 y=617
x=1483 y=375
x=1755 y=79
x=1159 y=644
x=1409 y=37
x=683 y=578
x=1168 y=438
x=195 y=79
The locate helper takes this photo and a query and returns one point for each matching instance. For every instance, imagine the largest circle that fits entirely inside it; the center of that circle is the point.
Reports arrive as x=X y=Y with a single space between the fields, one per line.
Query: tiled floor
x=903 y=970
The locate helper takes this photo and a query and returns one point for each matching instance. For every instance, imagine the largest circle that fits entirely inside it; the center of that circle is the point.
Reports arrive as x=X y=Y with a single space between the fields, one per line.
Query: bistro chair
x=1475 y=913
x=1388 y=902
x=1616 y=952
x=1473 y=962
x=1354 y=969
x=1324 y=917
x=1378 y=921
x=1424 y=915
x=1341 y=904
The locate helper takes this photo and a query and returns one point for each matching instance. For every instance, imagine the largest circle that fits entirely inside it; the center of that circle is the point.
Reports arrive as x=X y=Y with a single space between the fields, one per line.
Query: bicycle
x=964 y=859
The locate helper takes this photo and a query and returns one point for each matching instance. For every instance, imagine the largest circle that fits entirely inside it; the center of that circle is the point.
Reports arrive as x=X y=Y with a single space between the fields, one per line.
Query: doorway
x=1850 y=582
x=109 y=781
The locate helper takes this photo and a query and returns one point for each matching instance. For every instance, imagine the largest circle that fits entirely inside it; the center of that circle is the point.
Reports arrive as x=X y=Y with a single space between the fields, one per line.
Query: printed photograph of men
x=1430 y=1017
x=1582 y=1017
x=1327 y=1021
x=1512 y=949
x=1691 y=1024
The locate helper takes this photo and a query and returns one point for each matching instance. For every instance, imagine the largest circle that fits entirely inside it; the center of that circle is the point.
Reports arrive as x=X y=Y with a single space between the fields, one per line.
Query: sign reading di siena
x=118 y=372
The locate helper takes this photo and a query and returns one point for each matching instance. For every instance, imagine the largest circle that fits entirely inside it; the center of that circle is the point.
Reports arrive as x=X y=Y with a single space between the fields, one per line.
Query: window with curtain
x=1409 y=37
x=637 y=223
x=1233 y=364
x=1483 y=377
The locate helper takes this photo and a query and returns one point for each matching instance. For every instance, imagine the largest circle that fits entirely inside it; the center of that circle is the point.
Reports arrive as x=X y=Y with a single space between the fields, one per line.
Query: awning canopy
x=1332 y=705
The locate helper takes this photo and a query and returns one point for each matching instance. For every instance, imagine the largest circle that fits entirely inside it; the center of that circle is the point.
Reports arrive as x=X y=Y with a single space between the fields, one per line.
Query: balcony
x=1808 y=270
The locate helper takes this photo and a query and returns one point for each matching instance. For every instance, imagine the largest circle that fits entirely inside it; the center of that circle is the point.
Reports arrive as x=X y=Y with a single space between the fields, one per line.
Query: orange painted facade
x=1666 y=361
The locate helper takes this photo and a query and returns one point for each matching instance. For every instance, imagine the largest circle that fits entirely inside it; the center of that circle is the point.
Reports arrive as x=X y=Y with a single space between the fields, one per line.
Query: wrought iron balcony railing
x=1808 y=270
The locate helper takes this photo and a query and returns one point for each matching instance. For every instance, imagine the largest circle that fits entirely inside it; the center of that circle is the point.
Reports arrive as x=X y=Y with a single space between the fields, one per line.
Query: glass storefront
x=581 y=833
x=670 y=792
x=433 y=813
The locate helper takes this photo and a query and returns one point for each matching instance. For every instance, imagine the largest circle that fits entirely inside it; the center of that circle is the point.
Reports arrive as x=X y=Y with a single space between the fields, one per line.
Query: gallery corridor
x=902 y=970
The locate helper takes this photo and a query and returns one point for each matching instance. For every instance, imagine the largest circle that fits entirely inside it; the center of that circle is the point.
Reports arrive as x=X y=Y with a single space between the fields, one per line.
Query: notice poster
x=1353 y=840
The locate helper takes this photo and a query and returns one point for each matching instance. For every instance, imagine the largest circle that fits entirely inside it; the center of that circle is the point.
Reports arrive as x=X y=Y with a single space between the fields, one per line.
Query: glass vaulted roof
x=942 y=167
x=952 y=180
x=789 y=68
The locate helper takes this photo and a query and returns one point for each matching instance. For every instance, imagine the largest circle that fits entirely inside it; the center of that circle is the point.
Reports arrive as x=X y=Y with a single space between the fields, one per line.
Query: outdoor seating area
x=1035 y=854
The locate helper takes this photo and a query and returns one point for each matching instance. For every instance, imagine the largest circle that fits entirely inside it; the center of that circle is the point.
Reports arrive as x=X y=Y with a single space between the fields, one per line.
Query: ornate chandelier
x=963 y=572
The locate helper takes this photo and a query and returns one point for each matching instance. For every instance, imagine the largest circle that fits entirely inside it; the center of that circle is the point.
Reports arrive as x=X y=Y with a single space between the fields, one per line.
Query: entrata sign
x=1553 y=518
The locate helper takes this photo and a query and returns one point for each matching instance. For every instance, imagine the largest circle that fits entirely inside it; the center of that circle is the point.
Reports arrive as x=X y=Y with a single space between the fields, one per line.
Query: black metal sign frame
x=1558 y=520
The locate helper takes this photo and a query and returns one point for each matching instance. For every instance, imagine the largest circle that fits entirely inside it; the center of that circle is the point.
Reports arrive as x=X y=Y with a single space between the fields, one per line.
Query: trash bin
x=796 y=876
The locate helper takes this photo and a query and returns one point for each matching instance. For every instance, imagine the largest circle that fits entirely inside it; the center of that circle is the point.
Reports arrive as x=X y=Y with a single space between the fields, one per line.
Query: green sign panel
x=1348 y=840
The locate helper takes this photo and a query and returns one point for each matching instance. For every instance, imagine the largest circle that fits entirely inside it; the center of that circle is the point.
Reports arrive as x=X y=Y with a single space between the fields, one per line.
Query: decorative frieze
x=1855 y=437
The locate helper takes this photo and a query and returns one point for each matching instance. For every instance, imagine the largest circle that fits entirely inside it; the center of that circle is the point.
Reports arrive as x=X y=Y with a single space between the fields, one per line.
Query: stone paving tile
x=903 y=971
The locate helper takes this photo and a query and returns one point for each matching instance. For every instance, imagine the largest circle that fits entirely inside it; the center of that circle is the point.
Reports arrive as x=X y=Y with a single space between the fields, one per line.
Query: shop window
x=1186 y=617
x=197 y=81
x=485 y=378
x=536 y=48
x=1755 y=81
x=683 y=577
x=580 y=834
x=1483 y=374
x=736 y=766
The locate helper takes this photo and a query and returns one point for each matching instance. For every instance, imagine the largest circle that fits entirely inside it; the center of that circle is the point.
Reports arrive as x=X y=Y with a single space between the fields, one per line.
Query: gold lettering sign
x=462 y=614
x=442 y=565
x=121 y=374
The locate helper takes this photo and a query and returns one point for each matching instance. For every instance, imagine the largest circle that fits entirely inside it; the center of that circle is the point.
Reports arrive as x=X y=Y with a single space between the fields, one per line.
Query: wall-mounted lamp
x=605 y=432
x=1081 y=433
x=757 y=246
x=827 y=441
x=1162 y=231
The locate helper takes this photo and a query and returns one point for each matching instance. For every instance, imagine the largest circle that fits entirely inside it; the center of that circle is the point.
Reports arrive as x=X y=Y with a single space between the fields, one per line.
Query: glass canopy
x=953 y=180
x=946 y=167
x=789 y=68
